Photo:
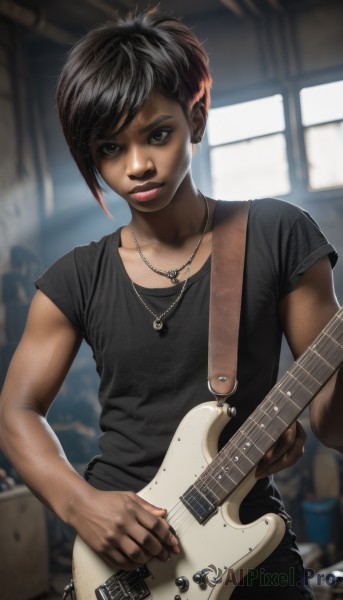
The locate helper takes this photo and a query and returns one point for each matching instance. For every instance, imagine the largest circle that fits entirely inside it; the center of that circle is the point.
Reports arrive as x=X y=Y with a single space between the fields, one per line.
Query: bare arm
x=37 y=370
x=120 y=526
x=305 y=311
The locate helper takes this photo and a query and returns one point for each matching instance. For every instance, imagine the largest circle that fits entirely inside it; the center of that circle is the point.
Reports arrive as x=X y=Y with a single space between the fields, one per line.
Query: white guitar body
x=222 y=545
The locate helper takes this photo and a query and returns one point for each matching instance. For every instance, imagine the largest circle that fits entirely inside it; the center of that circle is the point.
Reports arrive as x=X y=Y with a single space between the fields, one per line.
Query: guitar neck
x=284 y=403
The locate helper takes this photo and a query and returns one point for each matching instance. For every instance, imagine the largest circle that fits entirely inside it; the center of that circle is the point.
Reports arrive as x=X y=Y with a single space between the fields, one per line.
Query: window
x=248 y=149
x=322 y=119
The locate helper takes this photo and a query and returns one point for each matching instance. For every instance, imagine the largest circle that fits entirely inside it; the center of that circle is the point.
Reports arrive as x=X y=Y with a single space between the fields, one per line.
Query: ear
x=198 y=119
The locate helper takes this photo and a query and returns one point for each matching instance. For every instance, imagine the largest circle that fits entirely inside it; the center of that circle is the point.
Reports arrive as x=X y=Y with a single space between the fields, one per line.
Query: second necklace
x=173 y=273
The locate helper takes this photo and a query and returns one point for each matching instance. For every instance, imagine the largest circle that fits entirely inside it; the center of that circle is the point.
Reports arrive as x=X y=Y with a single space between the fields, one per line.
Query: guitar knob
x=182 y=583
x=199 y=577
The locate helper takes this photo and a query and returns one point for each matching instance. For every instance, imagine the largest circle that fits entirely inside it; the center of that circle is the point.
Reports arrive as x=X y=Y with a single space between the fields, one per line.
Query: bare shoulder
x=309 y=306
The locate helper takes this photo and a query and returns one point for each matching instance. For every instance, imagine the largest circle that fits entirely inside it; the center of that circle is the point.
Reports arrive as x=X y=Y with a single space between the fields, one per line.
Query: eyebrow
x=156 y=122
x=152 y=125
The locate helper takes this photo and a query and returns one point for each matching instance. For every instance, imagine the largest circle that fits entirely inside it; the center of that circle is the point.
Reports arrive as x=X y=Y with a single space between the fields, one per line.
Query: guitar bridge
x=125 y=585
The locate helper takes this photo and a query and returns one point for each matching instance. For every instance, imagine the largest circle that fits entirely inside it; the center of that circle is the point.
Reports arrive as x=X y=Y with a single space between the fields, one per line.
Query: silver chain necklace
x=173 y=273
x=158 y=322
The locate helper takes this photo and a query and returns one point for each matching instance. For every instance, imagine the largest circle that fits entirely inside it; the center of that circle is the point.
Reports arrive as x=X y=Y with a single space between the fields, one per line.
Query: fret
x=304 y=378
x=232 y=471
x=272 y=416
x=253 y=452
x=293 y=385
x=328 y=365
x=272 y=407
x=296 y=396
x=227 y=471
x=223 y=477
x=317 y=366
x=248 y=432
x=330 y=347
x=242 y=442
x=238 y=457
x=217 y=486
x=260 y=433
x=333 y=328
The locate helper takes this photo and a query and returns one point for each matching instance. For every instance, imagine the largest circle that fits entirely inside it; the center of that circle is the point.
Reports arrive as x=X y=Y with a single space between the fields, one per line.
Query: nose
x=139 y=162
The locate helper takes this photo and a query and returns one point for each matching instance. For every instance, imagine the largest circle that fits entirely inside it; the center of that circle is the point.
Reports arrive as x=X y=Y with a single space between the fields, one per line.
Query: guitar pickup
x=198 y=504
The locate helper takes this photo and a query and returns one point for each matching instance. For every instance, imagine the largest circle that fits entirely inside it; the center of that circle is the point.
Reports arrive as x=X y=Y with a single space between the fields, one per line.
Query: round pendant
x=174 y=280
x=157 y=324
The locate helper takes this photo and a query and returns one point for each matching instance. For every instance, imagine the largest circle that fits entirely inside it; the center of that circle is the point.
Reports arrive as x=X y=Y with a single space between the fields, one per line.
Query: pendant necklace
x=158 y=320
x=173 y=273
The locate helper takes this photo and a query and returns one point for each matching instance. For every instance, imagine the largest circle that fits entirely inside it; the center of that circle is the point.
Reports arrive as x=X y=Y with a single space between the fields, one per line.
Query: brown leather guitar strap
x=228 y=254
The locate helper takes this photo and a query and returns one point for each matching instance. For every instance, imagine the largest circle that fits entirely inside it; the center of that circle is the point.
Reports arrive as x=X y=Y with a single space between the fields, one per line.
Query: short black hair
x=111 y=72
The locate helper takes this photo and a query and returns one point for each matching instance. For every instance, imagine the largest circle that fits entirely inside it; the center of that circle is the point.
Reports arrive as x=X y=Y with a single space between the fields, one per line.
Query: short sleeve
x=61 y=284
x=304 y=245
x=286 y=241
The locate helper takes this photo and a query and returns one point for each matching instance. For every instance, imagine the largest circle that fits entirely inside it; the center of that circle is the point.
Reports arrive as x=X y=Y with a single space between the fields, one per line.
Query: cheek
x=109 y=173
x=181 y=157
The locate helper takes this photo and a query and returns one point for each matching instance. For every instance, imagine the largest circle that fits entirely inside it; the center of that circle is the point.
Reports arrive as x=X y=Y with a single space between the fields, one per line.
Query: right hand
x=124 y=529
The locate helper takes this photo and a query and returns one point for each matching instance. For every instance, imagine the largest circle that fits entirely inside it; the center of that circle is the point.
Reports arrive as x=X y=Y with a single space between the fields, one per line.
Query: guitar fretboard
x=284 y=403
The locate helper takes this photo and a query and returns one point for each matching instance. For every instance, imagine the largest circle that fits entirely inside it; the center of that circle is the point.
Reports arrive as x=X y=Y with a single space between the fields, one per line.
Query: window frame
x=294 y=129
x=251 y=93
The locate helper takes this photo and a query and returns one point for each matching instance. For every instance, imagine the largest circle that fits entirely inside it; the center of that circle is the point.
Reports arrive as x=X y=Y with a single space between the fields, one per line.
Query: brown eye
x=160 y=136
x=109 y=149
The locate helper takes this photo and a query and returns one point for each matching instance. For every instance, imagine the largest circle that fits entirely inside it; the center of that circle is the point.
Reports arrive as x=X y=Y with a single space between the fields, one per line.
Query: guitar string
x=309 y=361
x=246 y=434
x=231 y=472
x=179 y=506
x=312 y=359
x=248 y=430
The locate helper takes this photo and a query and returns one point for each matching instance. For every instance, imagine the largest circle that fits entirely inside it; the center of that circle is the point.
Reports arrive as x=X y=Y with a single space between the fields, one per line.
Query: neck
x=183 y=217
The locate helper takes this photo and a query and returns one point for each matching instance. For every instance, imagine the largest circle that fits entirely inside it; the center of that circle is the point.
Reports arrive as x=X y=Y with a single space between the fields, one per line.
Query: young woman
x=133 y=99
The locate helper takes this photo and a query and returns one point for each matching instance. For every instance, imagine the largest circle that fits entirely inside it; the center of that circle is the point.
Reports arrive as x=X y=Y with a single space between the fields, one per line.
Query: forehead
x=156 y=106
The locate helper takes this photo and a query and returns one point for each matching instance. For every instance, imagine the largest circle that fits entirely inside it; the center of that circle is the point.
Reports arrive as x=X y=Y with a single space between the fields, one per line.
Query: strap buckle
x=222 y=396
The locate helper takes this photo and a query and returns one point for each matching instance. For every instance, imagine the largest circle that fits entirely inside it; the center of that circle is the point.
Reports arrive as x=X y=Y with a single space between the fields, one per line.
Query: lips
x=145 y=192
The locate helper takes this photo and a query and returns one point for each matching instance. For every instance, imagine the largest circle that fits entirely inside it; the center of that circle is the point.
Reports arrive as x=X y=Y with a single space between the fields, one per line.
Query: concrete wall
x=272 y=49
x=19 y=187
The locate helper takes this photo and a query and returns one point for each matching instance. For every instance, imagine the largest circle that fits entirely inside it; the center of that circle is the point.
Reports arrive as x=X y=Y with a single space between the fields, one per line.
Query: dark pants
x=277 y=578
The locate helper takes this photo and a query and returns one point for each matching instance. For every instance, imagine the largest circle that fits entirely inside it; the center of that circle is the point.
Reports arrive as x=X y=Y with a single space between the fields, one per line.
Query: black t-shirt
x=150 y=380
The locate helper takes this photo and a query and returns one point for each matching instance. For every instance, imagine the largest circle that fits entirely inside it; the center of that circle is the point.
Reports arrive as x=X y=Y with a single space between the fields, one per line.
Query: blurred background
x=275 y=129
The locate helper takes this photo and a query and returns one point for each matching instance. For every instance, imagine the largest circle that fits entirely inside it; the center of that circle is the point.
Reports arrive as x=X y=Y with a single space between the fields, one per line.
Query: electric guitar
x=202 y=490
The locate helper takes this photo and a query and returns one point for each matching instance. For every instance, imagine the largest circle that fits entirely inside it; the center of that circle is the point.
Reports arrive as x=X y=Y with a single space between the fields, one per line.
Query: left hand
x=284 y=453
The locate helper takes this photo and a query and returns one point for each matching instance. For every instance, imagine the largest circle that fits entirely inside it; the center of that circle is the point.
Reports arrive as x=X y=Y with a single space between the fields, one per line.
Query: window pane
x=324 y=148
x=322 y=103
x=246 y=120
x=251 y=169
